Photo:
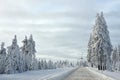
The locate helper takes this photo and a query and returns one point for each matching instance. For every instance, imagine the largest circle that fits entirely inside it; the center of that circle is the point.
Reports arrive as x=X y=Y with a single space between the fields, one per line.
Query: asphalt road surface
x=85 y=74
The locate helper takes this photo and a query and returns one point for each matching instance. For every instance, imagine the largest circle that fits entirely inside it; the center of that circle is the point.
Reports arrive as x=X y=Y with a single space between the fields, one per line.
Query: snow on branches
x=17 y=59
x=99 y=46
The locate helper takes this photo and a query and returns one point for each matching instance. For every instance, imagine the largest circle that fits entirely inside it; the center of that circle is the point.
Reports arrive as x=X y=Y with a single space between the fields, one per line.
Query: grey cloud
x=60 y=27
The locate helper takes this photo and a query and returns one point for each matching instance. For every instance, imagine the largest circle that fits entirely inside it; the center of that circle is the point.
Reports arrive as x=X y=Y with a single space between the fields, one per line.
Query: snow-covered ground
x=84 y=73
x=53 y=74
x=114 y=75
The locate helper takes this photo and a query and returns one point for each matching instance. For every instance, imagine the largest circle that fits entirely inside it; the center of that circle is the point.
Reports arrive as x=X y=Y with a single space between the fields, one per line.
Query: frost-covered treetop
x=31 y=44
x=100 y=28
x=2 y=45
x=2 y=50
x=14 y=42
x=31 y=38
x=25 y=40
x=100 y=20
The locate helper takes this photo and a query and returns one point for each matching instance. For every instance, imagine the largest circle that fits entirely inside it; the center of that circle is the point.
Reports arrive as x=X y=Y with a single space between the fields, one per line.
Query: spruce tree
x=31 y=53
x=28 y=50
x=99 y=46
x=2 y=58
x=118 y=57
x=12 y=60
x=114 y=58
x=24 y=53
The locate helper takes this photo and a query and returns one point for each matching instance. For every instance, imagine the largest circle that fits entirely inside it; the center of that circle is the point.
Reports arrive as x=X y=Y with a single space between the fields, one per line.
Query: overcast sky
x=60 y=28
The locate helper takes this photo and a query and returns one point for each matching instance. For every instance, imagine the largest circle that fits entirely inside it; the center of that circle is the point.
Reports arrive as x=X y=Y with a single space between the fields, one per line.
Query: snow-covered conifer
x=89 y=49
x=12 y=60
x=114 y=59
x=2 y=58
x=28 y=50
x=99 y=47
x=24 y=53
x=118 y=57
x=51 y=65
x=32 y=51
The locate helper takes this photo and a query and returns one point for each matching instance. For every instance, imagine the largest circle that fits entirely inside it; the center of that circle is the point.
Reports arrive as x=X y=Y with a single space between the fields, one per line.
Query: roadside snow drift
x=53 y=74
x=101 y=74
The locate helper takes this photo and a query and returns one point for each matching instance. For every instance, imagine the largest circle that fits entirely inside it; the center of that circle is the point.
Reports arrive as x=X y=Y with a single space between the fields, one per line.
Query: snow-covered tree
x=89 y=49
x=12 y=60
x=39 y=64
x=114 y=58
x=42 y=64
x=99 y=46
x=2 y=58
x=21 y=62
x=118 y=57
x=17 y=60
x=35 y=64
x=45 y=65
x=31 y=52
x=59 y=64
x=24 y=53
x=28 y=50
x=51 y=65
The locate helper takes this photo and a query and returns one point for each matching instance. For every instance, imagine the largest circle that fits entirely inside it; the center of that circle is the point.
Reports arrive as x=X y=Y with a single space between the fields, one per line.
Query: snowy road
x=86 y=74
x=57 y=74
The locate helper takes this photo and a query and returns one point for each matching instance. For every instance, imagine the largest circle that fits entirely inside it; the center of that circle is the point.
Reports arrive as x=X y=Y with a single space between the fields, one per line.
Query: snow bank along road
x=87 y=74
x=53 y=74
